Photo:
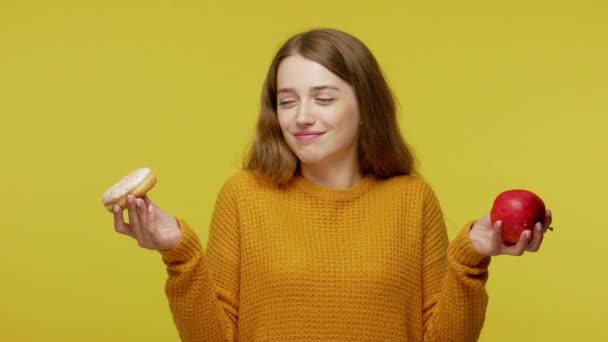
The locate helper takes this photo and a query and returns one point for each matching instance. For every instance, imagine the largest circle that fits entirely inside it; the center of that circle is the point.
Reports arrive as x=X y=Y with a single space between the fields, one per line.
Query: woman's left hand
x=487 y=240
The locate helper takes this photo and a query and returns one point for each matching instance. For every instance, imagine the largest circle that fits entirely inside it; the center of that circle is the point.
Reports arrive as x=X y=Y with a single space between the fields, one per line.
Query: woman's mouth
x=307 y=136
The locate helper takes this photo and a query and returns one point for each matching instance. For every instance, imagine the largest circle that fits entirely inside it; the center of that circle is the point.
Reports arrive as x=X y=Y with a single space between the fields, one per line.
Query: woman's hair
x=381 y=149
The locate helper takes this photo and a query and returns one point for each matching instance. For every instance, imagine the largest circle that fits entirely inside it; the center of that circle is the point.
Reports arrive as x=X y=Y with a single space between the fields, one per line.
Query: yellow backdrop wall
x=494 y=95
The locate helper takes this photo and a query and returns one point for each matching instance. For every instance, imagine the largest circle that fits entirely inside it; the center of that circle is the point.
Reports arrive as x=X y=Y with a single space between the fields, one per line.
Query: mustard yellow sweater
x=308 y=263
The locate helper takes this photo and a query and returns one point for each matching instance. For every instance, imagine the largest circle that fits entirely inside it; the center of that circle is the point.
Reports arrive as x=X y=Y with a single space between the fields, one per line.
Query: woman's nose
x=304 y=116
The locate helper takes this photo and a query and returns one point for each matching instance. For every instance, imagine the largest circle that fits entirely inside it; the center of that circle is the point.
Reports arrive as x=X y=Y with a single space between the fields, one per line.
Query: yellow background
x=494 y=95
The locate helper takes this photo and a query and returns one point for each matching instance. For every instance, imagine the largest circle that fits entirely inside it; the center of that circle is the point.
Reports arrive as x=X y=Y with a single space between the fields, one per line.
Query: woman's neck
x=337 y=175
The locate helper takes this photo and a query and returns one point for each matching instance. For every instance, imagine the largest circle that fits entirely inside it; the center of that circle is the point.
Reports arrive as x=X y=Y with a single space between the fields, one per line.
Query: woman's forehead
x=299 y=73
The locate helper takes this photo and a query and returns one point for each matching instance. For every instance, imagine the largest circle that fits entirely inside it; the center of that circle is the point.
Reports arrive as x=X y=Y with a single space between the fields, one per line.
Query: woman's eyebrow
x=286 y=90
x=317 y=88
x=322 y=87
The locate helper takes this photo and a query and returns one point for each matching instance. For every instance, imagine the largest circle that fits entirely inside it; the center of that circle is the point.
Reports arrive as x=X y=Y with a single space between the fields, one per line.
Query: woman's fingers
x=520 y=246
x=529 y=240
x=548 y=220
x=142 y=224
x=151 y=218
x=496 y=237
x=142 y=213
x=148 y=211
x=119 y=223
x=133 y=217
x=537 y=238
x=148 y=201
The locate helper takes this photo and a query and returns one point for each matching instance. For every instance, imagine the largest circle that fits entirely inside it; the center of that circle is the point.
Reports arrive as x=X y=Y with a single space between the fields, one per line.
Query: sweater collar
x=303 y=184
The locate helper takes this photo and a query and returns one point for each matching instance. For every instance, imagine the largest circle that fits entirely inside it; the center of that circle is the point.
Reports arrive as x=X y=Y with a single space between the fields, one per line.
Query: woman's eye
x=285 y=102
x=325 y=100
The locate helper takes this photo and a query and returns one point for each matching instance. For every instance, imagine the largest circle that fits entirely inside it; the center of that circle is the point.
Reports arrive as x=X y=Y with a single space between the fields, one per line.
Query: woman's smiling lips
x=307 y=135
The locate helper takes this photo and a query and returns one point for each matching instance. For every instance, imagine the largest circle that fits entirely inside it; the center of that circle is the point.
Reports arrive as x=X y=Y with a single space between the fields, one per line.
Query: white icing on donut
x=126 y=184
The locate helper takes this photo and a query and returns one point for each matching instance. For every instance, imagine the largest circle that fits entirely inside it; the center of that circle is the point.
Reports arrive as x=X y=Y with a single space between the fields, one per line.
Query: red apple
x=518 y=210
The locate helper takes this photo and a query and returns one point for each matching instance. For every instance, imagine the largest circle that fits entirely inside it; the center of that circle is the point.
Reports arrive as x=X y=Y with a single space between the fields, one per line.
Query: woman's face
x=317 y=111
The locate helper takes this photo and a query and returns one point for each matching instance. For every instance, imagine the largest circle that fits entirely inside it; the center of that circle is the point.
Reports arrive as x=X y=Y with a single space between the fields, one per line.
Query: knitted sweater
x=309 y=263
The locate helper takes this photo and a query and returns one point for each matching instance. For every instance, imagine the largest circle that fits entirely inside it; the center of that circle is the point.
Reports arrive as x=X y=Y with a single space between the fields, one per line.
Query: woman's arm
x=202 y=287
x=453 y=278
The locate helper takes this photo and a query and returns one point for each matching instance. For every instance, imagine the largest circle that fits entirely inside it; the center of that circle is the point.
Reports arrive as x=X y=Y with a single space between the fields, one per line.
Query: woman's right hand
x=149 y=225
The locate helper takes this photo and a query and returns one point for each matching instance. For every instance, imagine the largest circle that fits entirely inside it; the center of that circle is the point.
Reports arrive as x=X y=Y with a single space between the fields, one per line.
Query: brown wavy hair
x=382 y=150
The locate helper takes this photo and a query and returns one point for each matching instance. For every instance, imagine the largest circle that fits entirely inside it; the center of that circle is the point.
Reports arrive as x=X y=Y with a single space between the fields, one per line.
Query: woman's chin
x=310 y=160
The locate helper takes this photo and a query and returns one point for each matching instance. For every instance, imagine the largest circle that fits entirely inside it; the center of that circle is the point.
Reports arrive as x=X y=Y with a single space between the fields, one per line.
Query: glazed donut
x=137 y=183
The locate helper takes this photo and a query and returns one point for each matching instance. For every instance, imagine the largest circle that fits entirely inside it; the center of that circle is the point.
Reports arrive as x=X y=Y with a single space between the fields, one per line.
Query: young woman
x=328 y=233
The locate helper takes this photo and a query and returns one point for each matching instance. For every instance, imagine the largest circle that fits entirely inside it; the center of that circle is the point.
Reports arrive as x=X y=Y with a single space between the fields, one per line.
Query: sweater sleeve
x=203 y=287
x=454 y=277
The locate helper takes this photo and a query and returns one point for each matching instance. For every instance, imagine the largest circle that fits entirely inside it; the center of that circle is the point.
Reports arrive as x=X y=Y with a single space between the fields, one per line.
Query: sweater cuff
x=188 y=246
x=462 y=251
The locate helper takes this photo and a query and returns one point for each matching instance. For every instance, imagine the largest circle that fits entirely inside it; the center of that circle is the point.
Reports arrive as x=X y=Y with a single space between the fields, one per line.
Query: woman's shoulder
x=412 y=182
x=246 y=180
x=408 y=188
